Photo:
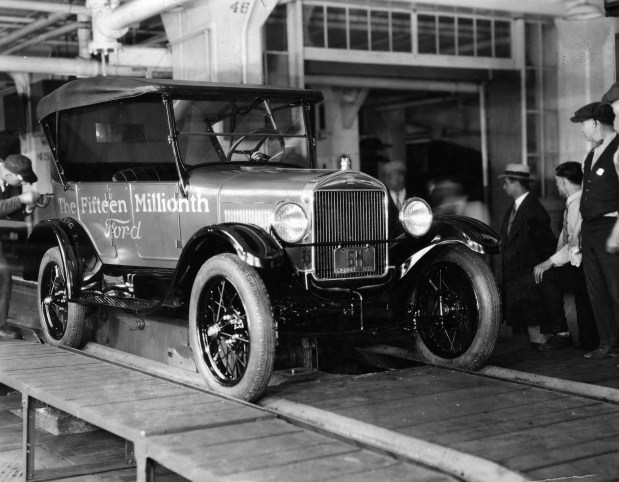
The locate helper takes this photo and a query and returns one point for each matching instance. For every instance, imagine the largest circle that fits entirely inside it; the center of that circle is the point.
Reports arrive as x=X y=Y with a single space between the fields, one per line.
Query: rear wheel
x=456 y=309
x=231 y=330
x=62 y=322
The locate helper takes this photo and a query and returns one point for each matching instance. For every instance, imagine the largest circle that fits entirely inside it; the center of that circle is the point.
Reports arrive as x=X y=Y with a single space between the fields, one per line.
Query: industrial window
x=391 y=30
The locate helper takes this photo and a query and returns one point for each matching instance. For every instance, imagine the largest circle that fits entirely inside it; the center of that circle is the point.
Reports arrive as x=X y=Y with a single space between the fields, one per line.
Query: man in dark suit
x=526 y=240
x=15 y=171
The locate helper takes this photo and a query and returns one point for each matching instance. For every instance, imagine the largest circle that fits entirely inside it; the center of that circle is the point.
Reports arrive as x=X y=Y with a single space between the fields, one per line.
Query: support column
x=586 y=51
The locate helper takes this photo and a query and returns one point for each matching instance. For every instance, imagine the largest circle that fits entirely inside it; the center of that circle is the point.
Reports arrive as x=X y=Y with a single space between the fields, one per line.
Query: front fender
x=54 y=233
x=251 y=243
x=463 y=230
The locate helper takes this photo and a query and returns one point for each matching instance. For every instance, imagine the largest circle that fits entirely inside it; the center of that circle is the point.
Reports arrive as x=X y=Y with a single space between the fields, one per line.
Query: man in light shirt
x=599 y=206
x=562 y=272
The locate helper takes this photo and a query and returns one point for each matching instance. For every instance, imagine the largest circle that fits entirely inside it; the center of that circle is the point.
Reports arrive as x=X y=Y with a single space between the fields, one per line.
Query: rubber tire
x=489 y=303
x=75 y=329
x=257 y=306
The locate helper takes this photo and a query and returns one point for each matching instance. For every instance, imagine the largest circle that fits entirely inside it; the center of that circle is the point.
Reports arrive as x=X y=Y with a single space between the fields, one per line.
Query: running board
x=117 y=301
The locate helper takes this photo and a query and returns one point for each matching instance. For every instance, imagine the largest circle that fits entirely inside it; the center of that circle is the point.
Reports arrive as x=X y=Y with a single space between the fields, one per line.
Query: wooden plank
x=414 y=411
x=503 y=419
x=314 y=465
x=185 y=420
x=601 y=467
x=71 y=378
x=569 y=453
x=541 y=439
x=166 y=403
x=398 y=472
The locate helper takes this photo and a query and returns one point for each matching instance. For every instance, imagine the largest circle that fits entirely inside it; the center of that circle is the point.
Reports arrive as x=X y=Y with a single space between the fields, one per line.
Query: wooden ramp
x=191 y=432
x=545 y=434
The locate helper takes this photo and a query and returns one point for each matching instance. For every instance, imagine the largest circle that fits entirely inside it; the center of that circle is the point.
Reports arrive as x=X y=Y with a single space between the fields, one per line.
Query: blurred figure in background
x=450 y=196
x=395 y=180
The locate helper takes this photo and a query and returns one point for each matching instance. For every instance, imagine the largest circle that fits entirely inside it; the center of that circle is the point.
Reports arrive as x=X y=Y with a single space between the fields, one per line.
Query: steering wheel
x=254 y=154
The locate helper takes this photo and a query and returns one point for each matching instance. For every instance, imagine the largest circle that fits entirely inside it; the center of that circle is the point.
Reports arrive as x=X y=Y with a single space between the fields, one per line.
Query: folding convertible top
x=96 y=90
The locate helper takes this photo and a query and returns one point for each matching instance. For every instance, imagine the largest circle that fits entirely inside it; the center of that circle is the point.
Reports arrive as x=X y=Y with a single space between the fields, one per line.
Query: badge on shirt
x=600 y=171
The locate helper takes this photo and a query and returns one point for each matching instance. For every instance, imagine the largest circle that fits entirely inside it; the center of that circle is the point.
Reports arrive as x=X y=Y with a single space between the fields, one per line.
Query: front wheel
x=62 y=322
x=231 y=330
x=456 y=309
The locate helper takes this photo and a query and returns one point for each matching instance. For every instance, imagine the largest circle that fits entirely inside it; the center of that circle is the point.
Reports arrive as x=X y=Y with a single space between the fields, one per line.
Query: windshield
x=245 y=130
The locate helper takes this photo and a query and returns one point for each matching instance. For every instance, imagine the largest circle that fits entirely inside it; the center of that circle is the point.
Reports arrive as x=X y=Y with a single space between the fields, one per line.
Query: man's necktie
x=564 y=231
x=512 y=215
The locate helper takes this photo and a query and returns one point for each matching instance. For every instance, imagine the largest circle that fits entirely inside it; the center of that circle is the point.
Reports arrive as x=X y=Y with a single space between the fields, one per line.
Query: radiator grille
x=345 y=217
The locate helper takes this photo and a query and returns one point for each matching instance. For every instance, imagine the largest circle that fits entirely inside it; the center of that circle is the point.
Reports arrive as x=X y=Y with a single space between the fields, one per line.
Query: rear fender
x=69 y=237
x=473 y=234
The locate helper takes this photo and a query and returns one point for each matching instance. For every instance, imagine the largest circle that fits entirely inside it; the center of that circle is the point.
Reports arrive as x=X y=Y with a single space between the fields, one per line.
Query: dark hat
x=21 y=166
x=517 y=171
x=611 y=94
x=604 y=114
x=585 y=113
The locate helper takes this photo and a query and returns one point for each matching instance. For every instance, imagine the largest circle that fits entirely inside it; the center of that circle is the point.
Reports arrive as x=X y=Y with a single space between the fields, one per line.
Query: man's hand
x=29 y=198
x=612 y=243
x=540 y=269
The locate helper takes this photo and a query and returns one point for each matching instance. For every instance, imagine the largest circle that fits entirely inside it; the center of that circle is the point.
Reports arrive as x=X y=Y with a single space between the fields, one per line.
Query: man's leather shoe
x=556 y=342
x=602 y=351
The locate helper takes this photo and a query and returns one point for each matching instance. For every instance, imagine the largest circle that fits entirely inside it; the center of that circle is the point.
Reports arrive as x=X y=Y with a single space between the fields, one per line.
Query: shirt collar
x=574 y=196
x=519 y=199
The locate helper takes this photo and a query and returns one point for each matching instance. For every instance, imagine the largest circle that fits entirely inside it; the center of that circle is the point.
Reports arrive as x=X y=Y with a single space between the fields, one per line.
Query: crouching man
x=15 y=172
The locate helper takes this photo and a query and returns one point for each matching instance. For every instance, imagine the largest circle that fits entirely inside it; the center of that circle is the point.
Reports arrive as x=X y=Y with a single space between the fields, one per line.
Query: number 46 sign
x=240 y=7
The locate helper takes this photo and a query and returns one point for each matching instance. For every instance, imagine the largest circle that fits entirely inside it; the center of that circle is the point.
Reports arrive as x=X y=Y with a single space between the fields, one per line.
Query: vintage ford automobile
x=205 y=198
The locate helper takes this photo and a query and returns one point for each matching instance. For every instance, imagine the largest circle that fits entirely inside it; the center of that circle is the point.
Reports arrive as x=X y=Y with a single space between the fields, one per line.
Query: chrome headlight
x=290 y=222
x=416 y=216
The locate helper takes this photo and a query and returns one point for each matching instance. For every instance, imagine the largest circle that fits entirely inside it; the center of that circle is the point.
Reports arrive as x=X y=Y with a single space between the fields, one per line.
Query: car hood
x=252 y=193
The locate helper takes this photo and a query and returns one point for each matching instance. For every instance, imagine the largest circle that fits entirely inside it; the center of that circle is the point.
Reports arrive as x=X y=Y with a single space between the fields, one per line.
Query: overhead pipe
x=43 y=37
x=136 y=11
x=59 y=66
x=47 y=7
x=33 y=27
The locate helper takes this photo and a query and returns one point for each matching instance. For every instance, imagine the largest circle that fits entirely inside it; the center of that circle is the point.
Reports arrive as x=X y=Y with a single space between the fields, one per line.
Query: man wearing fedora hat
x=15 y=171
x=526 y=240
x=599 y=207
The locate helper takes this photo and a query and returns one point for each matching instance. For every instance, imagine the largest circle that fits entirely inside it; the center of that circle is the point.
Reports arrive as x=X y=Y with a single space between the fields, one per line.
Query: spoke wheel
x=231 y=329
x=62 y=322
x=456 y=310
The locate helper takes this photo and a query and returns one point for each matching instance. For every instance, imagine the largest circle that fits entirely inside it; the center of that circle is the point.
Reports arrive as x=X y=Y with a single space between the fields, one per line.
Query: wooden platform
x=192 y=433
x=545 y=434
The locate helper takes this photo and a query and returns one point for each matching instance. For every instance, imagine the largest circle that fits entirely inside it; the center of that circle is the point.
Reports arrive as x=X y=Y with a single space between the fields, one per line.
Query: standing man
x=526 y=241
x=395 y=179
x=562 y=272
x=15 y=171
x=599 y=207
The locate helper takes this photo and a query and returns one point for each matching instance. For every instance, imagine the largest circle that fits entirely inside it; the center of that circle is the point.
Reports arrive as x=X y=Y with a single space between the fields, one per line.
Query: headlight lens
x=416 y=216
x=290 y=222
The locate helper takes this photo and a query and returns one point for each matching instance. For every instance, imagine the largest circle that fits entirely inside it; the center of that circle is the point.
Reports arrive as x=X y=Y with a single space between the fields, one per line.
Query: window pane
x=532 y=44
x=484 y=38
x=502 y=40
x=446 y=36
x=531 y=88
x=466 y=37
x=401 y=32
x=380 y=30
x=358 y=29
x=314 y=33
x=277 y=69
x=532 y=134
x=276 y=37
x=336 y=28
x=427 y=34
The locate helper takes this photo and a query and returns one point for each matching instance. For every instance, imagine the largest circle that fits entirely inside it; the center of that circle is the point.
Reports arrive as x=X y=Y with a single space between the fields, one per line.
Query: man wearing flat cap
x=526 y=240
x=599 y=207
x=15 y=171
